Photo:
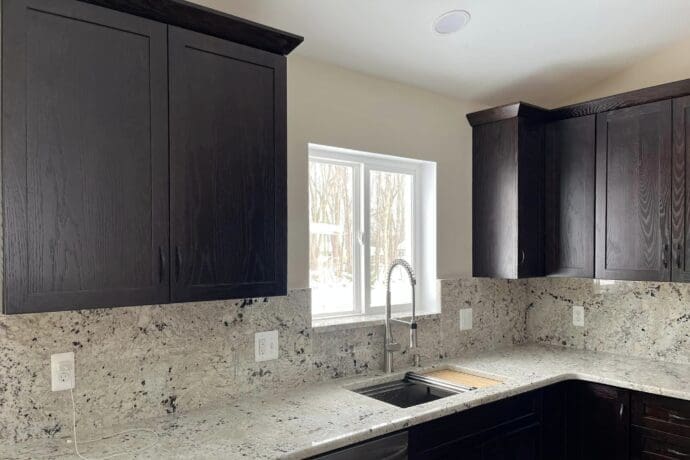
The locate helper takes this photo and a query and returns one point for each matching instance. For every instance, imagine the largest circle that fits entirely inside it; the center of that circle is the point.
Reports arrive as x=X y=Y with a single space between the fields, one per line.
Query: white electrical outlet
x=265 y=346
x=465 y=319
x=578 y=316
x=62 y=371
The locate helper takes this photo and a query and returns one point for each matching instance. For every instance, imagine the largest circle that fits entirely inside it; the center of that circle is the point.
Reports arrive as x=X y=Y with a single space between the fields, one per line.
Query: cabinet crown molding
x=195 y=17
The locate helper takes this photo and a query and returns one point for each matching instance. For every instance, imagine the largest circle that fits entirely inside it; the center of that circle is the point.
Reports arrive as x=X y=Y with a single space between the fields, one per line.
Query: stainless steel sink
x=412 y=390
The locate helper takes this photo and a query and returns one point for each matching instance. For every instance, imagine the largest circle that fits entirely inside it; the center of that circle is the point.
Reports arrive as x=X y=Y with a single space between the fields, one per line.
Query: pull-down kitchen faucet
x=390 y=344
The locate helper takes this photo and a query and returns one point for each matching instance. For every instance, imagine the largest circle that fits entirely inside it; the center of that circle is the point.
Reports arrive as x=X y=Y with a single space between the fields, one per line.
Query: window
x=365 y=210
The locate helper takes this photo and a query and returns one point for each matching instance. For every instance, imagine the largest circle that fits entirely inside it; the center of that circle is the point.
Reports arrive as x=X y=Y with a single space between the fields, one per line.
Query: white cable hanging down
x=117 y=454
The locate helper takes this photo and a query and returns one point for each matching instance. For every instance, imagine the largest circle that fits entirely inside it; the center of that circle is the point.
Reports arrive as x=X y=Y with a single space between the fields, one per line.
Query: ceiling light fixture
x=451 y=22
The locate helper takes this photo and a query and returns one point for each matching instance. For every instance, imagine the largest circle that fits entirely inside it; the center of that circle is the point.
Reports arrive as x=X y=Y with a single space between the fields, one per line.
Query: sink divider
x=456 y=388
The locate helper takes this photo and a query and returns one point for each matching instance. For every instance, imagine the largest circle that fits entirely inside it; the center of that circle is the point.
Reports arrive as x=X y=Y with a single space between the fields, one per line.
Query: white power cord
x=134 y=430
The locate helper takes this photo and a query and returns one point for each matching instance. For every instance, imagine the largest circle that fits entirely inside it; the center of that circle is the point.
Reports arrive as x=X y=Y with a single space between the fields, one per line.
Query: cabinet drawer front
x=391 y=447
x=652 y=444
x=664 y=414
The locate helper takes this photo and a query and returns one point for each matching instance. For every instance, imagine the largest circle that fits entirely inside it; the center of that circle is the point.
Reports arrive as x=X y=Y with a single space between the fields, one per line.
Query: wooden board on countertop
x=462 y=378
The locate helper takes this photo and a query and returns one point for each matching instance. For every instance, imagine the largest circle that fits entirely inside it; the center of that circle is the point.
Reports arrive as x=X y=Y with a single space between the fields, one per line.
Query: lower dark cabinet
x=599 y=422
x=567 y=421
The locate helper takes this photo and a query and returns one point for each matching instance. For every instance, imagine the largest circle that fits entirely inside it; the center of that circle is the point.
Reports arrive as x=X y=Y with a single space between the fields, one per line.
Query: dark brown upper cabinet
x=508 y=192
x=95 y=185
x=615 y=188
x=569 y=221
x=227 y=165
x=680 y=214
x=85 y=157
x=633 y=193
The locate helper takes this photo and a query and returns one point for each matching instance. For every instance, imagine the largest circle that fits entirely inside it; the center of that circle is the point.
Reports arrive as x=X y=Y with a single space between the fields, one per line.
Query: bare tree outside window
x=390 y=228
x=331 y=237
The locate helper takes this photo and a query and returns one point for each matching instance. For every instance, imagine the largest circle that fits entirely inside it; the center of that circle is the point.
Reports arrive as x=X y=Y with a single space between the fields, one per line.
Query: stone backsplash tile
x=636 y=318
x=141 y=362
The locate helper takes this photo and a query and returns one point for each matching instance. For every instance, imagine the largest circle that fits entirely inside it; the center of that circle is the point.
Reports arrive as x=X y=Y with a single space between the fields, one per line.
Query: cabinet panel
x=570 y=154
x=681 y=212
x=515 y=443
x=633 y=193
x=482 y=432
x=85 y=157
x=649 y=444
x=530 y=198
x=389 y=447
x=228 y=176
x=599 y=422
x=494 y=199
x=661 y=413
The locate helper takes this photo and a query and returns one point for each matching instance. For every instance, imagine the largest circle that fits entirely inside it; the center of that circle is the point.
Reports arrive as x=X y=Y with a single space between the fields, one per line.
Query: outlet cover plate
x=578 y=316
x=62 y=371
x=465 y=319
x=265 y=346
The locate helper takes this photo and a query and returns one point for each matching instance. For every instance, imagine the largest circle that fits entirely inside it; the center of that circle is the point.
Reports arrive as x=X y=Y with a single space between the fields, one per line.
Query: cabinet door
x=85 y=157
x=570 y=153
x=600 y=418
x=494 y=199
x=228 y=176
x=681 y=191
x=633 y=193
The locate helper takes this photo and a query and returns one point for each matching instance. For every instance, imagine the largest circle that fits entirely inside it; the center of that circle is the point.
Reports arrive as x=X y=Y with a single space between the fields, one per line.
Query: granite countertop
x=314 y=419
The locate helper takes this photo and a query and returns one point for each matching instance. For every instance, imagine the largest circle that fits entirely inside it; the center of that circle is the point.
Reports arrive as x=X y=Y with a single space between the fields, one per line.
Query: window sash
x=356 y=308
x=362 y=165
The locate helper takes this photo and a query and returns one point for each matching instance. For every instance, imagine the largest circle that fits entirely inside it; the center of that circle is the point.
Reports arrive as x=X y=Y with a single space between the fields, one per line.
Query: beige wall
x=670 y=64
x=333 y=106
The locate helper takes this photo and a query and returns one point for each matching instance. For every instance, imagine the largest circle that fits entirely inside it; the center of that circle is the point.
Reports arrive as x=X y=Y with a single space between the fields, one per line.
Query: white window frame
x=423 y=228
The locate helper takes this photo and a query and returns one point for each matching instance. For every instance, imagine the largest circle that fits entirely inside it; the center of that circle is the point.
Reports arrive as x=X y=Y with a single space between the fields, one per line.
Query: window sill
x=359 y=321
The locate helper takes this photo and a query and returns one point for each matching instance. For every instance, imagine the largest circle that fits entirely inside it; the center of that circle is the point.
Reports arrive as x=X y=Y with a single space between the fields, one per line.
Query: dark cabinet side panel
x=680 y=269
x=85 y=157
x=633 y=193
x=530 y=198
x=570 y=163
x=228 y=169
x=494 y=199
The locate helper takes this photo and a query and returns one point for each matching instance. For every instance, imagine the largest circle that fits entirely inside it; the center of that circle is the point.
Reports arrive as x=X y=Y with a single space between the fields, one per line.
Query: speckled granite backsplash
x=140 y=362
x=635 y=318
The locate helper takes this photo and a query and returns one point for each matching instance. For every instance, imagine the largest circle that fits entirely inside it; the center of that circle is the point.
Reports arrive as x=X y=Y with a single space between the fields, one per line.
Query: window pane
x=390 y=224
x=331 y=238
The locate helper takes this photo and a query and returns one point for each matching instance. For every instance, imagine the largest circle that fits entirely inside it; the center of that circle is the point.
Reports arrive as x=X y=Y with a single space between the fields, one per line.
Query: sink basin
x=412 y=390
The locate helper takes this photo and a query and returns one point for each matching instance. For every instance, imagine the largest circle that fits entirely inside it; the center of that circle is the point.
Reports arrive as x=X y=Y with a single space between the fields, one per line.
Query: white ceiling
x=541 y=51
